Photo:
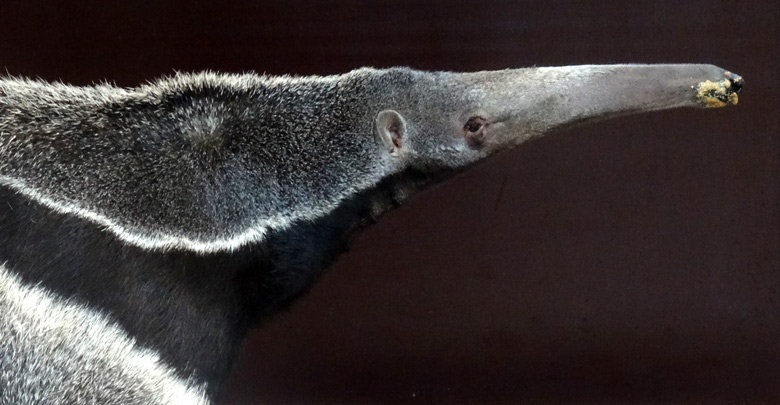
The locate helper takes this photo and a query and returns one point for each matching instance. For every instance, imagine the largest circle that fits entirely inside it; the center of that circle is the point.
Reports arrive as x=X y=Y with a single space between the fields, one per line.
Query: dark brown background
x=634 y=259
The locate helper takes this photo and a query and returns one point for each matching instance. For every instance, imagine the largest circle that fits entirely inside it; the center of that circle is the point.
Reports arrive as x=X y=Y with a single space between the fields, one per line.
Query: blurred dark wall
x=634 y=259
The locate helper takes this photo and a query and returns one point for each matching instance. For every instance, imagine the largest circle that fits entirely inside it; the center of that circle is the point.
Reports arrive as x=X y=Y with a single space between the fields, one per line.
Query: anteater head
x=450 y=120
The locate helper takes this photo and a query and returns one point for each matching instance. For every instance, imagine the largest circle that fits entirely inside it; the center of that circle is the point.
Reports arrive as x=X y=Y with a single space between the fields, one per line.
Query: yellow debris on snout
x=716 y=94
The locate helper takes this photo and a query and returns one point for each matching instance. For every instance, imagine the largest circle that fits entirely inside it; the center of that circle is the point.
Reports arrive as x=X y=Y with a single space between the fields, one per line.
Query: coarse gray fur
x=232 y=193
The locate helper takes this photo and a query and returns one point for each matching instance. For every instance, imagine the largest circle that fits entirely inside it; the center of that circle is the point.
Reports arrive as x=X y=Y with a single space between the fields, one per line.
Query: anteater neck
x=193 y=309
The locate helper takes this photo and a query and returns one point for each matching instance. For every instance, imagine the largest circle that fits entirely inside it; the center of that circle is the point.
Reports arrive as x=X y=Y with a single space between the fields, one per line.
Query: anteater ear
x=390 y=130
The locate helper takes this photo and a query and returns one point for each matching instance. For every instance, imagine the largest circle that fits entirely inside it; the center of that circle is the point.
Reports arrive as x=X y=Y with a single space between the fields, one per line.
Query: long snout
x=594 y=90
x=543 y=98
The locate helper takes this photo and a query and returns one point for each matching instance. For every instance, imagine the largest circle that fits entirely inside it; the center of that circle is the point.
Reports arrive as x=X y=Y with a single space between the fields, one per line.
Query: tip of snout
x=720 y=93
x=736 y=80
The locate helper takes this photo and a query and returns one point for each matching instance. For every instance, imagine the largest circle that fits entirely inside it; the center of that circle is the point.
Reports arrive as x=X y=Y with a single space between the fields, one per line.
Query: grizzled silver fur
x=200 y=162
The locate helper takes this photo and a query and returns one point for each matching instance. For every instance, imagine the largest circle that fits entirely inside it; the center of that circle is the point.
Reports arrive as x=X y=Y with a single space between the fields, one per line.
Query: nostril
x=736 y=81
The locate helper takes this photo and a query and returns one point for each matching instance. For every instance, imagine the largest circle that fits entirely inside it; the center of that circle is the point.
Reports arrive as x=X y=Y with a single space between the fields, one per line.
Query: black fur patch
x=194 y=309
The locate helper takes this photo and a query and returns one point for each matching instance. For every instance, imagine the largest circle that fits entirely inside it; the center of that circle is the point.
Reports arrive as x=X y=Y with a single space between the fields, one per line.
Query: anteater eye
x=474 y=124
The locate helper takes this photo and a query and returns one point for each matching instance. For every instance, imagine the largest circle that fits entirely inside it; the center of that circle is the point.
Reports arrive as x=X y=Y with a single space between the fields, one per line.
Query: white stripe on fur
x=56 y=351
